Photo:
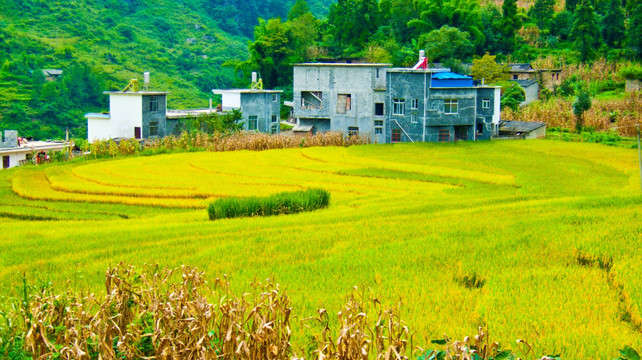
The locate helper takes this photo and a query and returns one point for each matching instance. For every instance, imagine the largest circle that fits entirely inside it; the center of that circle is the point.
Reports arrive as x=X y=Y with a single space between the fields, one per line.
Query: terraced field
x=550 y=230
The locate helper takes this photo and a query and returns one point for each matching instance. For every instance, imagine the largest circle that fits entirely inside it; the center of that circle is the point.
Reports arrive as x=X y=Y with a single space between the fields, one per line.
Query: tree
x=270 y=51
x=350 y=24
x=510 y=24
x=580 y=106
x=613 y=30
x=635 y=29
x=586 y=33
x=570 y=5
x=488 y=69
x=446 y=43
x=562 y=25
x=299 y=8
x=543 y=12
x=512 y=95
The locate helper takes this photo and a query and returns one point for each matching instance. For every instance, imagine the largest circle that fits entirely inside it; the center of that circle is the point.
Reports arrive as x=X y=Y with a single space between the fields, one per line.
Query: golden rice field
x=552 y=229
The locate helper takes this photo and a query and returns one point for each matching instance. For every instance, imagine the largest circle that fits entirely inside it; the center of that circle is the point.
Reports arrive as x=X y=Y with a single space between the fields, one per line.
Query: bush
x=281 y=203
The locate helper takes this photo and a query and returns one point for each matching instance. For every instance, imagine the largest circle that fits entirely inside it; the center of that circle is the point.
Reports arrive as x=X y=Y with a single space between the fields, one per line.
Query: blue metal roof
x=450 y=76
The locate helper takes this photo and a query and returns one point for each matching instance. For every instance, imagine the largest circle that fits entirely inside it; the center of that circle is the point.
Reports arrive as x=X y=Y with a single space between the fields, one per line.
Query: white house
x=15 y=151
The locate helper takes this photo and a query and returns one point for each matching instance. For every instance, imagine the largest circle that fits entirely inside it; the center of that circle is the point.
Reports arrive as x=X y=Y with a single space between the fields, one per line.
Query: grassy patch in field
x=276 y=204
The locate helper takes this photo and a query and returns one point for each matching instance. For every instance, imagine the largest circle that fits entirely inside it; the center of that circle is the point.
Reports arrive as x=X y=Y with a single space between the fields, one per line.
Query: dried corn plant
x=359 y=339
x=146 y=316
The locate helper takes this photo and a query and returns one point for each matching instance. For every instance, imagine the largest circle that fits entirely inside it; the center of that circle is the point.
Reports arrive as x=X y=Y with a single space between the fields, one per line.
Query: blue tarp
x=451 y=80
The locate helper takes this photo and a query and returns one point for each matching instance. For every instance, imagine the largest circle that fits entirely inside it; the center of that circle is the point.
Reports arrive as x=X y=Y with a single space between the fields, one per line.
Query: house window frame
x=275 y=98
x=253 y=120
x=153 y=128
x=347 y=103
x=274 y=129
x=353 y=131
x=395 y=135
x=399 y=107
x=451 y=106
x=378 y=130
x=414 y=117
x=485 y=103
x=414 y=104
x=153 y=104
x=444 y=135
x=275 y=118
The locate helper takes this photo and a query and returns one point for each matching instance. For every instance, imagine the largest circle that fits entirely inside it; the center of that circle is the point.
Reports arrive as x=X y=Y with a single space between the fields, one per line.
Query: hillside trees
x=586 y=33
x=350 y=24
x=635 y=27
x=613 y=30
x=488 y=69
x=509 y=25
x=543 y=12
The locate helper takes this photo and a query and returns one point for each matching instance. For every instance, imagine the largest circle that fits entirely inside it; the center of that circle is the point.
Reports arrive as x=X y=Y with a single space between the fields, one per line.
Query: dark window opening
x=395 y=135
x=137 y=133
x=274 y=118
x=153 y=128
x=378 y=130
x=253 y=122
x=480 y=128
x=378 y=109
x=6 y=162
x=353 y=130
x=274 y=129
x=515 y=77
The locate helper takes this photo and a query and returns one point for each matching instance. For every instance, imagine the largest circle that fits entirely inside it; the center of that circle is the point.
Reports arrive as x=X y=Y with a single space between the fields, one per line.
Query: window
x=344 y=103
x=378 y=122
x=398 y=107
x=153 y=104
x=275 y=98
x=413 y=117
x=395 y=135
x=137 y=133
x=253 y=123
x=378 y=130
x=515 y=76
x=274 y=129
x=378 y=109
x=275 y=118
x=353 y=130
x=450 y=106
x=153 y=128
x=414 y=104
x=377 y=71
x=485 y=103
x=444 y=135
x=311 y=100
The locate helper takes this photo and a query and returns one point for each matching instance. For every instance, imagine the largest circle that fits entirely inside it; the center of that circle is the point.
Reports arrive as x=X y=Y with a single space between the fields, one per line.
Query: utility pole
x=639 y=154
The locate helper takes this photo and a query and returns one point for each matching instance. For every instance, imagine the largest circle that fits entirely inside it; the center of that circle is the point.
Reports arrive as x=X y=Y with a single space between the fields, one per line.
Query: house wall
x=9 y=139
x=263 y=106
x=536 y=134
x=230 y=101
x=531 y=93
x=431 y=104
x=126 y=112
x=159 y=116
x=549 y=79
x=487 y=118
x=359 y=82
x=99 y=128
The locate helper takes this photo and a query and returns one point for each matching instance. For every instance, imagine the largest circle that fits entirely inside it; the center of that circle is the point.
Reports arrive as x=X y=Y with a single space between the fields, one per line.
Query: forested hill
x=100 y=44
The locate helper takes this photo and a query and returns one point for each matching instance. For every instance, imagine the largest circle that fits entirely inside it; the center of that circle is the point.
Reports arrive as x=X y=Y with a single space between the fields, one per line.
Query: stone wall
x=9 y=139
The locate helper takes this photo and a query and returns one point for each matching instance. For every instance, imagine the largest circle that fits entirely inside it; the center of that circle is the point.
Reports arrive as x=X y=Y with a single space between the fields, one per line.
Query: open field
x=552 y=228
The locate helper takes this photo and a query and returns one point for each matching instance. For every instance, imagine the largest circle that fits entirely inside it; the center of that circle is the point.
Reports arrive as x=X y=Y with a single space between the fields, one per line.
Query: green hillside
x=101 y=44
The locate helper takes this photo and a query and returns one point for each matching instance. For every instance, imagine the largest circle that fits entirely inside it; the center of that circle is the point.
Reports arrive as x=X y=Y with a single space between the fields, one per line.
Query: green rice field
x=550 y=231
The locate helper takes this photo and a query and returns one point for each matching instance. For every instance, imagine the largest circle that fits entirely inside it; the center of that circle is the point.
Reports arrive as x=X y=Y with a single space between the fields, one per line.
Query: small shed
x=522 y=129
x=302 y=130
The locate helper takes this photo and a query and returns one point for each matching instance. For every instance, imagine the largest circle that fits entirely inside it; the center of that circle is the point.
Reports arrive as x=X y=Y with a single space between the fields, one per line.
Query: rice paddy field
x=537 y=240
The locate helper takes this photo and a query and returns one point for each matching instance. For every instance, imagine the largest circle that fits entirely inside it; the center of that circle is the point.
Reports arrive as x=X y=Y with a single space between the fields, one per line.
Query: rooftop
x=450 y=76
x=177 y=114
x=525 y=83
x=244 y=91
x=419 y=71
x=138 y=93
x=344 y=64
x=520 y=126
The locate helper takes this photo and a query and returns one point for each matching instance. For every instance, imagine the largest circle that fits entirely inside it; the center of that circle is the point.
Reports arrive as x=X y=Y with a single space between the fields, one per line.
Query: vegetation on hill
x=101 y=44
x=528 y=238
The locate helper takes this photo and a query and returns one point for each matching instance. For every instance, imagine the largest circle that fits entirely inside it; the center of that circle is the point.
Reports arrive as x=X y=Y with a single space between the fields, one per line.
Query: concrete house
x=260 y=108
x=139 y=115
x=346 y=97
x=433 y=105
x=15 y=151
